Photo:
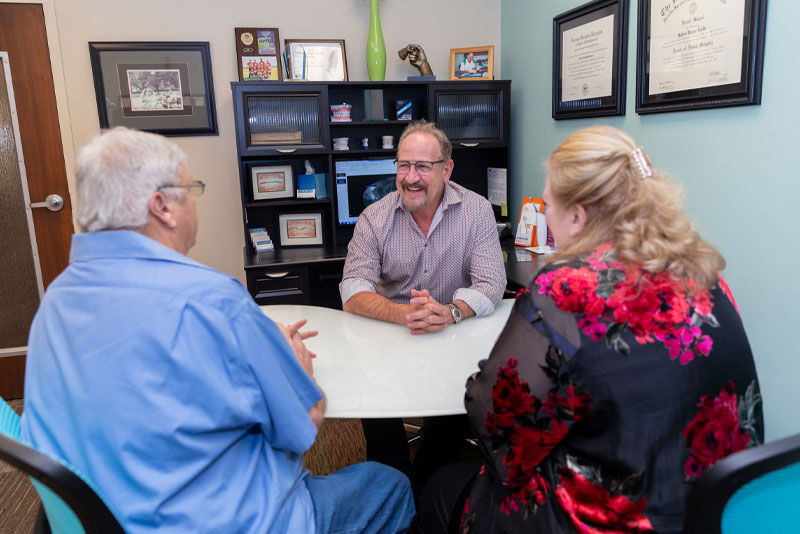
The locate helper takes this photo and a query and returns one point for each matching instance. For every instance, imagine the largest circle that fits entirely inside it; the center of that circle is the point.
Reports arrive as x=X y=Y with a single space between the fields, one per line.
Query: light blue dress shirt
x=162 y=381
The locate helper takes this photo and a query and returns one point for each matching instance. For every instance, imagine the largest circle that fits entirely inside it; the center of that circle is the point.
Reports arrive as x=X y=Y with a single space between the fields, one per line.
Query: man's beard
x=413 y=205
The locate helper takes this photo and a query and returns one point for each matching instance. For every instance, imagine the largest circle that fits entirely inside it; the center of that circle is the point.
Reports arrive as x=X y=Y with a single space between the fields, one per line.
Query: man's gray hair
x=423 y=126
x=116 y=174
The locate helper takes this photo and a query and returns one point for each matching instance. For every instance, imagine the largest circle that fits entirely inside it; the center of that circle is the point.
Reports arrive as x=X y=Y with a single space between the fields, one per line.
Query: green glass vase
x=376 y=49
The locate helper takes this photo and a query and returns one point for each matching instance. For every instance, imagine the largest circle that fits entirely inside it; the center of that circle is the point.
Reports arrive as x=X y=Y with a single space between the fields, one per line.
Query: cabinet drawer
x=279 y=286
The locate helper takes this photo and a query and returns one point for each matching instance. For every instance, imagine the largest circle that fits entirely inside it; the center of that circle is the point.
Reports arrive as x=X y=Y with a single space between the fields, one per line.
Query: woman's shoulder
x=627 y=306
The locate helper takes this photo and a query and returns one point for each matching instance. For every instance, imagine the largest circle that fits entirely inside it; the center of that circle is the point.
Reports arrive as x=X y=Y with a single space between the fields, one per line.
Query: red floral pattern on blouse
x=594 y=510
x=723 y=285
x=530 y=442
x=716 y=430
x=610 y=298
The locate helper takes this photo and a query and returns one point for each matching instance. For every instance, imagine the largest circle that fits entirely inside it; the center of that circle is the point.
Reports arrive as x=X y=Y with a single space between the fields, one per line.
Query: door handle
x=285 y=150
x=469 y=145
x=52 y=202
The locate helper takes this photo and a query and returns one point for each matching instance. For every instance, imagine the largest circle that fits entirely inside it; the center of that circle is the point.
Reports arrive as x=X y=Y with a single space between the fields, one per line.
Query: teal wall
x=739 y=166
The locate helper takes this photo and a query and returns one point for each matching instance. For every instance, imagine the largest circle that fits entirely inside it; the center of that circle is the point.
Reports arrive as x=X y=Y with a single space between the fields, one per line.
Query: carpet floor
x=19 y=501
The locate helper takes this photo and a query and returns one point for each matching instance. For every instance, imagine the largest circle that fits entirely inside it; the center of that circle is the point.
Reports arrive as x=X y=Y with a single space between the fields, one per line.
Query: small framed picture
x=272 y=181
x=258 y=54
x=475 y=63
x=300 y=229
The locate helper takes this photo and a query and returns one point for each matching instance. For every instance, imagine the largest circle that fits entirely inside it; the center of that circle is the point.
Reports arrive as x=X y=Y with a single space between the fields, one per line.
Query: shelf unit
x=289 y=123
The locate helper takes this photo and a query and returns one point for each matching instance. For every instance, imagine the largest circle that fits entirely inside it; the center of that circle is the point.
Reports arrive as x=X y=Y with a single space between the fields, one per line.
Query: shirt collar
x=123 y=244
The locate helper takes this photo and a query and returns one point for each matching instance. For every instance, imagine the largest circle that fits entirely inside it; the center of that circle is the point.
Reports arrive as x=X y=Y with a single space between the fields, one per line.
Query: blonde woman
x=623 y=373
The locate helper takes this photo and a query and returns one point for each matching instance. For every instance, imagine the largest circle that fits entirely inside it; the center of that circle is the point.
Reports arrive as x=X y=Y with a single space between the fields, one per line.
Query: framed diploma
x=695 y=54
x=590 y=60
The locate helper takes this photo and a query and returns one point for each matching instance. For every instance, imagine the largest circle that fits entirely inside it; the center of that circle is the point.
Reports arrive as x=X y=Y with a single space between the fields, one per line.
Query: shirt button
x=426 y=245
x=425 y=271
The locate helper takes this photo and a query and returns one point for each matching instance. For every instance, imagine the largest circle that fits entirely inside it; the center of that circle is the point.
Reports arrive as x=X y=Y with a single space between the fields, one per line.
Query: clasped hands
x=427 y=314
x=295 y=338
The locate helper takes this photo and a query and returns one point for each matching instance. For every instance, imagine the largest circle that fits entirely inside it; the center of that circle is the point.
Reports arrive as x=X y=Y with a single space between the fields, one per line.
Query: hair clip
x=642 y=162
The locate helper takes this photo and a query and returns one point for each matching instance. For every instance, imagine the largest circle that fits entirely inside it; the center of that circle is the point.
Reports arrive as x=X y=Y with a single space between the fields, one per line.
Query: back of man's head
x=116 y=174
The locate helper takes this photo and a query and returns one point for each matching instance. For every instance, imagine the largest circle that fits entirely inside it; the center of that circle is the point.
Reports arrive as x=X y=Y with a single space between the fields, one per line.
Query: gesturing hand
x=295 y=339
x=427 y=315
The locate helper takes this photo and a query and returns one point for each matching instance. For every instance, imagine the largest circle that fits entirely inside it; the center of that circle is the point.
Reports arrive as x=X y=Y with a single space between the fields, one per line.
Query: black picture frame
x=591 y=70
x=747 y=91
x=159 y=87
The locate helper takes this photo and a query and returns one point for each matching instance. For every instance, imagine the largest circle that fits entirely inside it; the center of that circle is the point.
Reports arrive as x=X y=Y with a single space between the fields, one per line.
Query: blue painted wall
x=740 y=168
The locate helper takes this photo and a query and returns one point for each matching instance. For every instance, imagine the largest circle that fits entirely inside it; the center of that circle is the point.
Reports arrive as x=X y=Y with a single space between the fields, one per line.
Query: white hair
x=116 y=174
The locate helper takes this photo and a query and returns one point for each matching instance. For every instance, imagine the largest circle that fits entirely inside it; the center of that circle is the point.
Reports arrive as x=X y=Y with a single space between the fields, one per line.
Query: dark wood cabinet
x=286 y=124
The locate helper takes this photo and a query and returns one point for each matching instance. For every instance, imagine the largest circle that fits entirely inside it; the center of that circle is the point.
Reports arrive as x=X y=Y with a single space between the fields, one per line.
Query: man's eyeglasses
x=422 y=167
x=195 y=188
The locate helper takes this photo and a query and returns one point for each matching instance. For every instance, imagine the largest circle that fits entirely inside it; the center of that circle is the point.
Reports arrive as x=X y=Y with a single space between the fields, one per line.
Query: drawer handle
x=277 y=275
x=470 y=145
x=285 y=150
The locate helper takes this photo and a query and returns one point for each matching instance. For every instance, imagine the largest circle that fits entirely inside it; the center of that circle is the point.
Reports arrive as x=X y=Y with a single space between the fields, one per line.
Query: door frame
x=13 y=365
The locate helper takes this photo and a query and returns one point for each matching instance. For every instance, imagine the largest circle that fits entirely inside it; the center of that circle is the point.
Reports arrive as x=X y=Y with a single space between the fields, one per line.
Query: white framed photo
x=300 y=228
x=272 y=181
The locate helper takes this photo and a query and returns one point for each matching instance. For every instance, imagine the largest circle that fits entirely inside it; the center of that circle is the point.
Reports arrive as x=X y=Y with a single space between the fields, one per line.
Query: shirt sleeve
x=281 y=387
x=362 y=267
x=487 y=271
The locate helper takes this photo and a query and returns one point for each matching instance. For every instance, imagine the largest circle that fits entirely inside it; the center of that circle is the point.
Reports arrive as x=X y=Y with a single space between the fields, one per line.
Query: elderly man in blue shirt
x=162 y=380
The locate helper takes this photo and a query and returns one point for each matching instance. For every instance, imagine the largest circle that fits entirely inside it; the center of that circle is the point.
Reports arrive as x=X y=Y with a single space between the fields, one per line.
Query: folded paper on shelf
x=532 y=207
x=260 y=240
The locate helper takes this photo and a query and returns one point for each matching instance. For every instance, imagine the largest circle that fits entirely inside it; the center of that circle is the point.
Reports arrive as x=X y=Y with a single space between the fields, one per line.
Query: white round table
x=371 y=368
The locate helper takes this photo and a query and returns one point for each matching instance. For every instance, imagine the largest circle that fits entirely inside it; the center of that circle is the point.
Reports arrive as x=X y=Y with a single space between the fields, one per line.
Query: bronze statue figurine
x=416 y=56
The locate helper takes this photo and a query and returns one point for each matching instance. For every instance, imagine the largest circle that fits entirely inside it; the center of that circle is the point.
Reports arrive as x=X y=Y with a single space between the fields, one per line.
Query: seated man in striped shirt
x=426 y=256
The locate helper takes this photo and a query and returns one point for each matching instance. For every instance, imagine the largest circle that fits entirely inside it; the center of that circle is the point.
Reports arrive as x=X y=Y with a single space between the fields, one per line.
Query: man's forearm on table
x=375 y=306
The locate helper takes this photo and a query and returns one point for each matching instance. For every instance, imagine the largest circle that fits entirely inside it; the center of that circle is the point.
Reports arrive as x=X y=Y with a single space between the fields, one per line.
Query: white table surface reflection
x=370 y=368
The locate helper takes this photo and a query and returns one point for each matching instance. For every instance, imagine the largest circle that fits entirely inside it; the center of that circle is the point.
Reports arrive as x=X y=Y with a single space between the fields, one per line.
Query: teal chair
x=72 y=505
x=755 y=490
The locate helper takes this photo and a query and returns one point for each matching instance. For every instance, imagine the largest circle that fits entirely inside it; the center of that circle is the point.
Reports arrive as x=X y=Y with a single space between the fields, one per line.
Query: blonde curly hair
x=644 y=217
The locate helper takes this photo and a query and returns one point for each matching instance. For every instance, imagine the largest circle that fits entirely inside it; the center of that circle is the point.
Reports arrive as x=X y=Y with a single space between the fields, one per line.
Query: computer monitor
x=354 y=177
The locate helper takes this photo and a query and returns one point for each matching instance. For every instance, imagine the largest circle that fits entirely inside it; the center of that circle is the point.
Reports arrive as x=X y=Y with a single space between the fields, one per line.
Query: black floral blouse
x=608 y=393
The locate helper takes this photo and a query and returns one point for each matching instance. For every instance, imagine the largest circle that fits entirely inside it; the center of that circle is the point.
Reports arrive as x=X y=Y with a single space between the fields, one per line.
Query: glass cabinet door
x=280 y=121
x=474 y=115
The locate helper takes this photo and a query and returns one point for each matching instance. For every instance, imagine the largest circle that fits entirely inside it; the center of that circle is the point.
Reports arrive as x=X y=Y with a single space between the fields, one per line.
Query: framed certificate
x=590 y=46
x=695 y=55
x=318 y=60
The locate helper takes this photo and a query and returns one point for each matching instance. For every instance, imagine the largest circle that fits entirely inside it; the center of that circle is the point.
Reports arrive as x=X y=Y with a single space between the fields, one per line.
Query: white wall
x=436 y=25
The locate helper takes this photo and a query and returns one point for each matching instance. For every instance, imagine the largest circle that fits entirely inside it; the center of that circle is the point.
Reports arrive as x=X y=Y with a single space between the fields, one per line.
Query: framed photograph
x=159 y=87
x=696 y=55
x=317 y=60
x=258 y=54
x=475 y=63
x=590 y=60
x=300 y=229
x=272 y=181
